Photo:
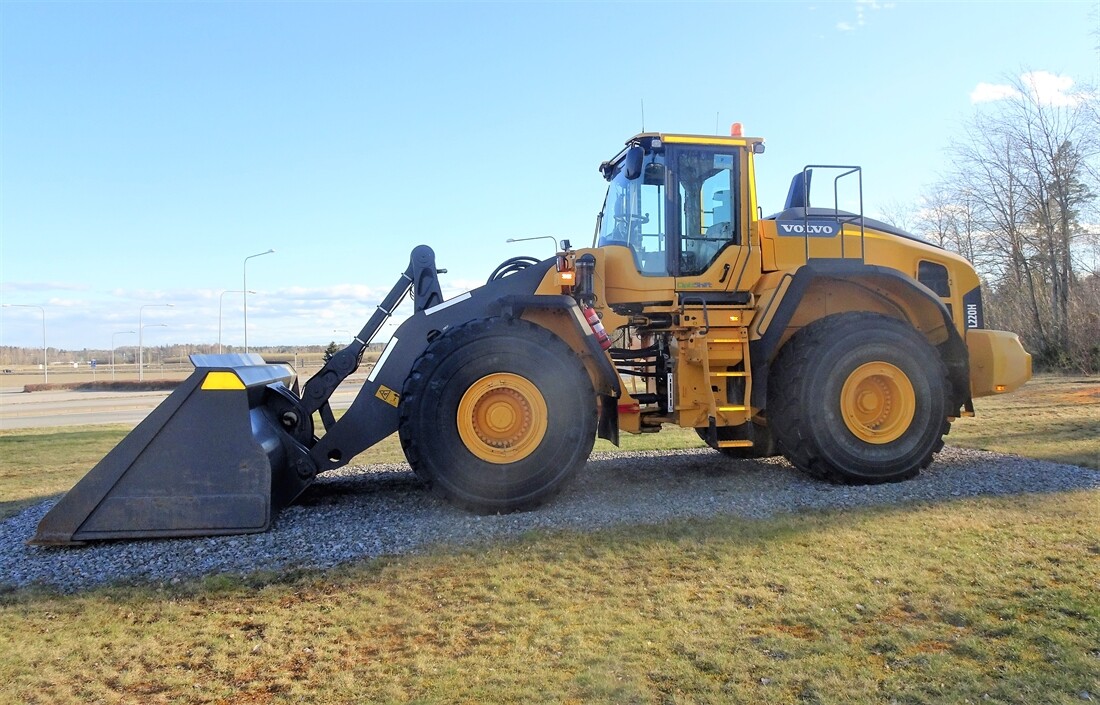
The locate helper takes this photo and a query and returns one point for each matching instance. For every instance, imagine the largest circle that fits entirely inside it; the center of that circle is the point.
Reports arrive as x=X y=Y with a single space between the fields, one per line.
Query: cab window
x=634 y=216
x=707 y=182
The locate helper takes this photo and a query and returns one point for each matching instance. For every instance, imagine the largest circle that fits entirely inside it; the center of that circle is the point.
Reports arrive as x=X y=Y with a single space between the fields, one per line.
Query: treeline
x=11 y=356
x=1020 y=203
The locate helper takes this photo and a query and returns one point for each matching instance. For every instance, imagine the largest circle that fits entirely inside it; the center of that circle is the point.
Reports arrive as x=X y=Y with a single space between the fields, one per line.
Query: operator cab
x=674 y=201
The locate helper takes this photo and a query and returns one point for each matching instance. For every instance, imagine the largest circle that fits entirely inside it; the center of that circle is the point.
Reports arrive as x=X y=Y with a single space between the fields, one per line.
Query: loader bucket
x=211 y=459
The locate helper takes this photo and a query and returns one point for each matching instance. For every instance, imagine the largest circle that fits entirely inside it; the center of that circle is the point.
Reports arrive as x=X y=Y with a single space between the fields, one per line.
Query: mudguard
x=374 y=414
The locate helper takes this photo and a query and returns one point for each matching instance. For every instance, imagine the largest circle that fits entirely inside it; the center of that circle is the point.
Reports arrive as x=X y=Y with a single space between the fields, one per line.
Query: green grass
x=989 y=600
x=39 y=463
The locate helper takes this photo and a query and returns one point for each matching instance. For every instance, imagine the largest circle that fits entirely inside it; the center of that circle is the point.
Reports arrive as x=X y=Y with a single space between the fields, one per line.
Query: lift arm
x=421 y=279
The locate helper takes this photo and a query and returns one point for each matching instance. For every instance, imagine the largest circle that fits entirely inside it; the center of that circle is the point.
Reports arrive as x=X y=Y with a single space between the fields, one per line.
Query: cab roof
x=646 y=139
x=652 y=140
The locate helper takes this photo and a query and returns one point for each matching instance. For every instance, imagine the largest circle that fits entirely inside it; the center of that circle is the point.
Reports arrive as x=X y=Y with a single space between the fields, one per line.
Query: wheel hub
x=878 y=402
x=502 y=418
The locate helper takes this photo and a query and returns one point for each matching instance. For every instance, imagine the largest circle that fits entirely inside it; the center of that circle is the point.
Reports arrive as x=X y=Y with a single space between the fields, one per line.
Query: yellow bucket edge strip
x=222 y=380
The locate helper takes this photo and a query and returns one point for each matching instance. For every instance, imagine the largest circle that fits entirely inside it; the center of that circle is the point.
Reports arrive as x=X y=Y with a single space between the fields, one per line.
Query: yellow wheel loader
x=840 y=342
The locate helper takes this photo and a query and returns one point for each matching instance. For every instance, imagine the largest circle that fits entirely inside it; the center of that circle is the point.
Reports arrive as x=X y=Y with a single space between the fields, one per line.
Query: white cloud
x=291 y=315
x=990 y=92
x=862 y=7
x=1045 y=87
x=20 y=287
x=1050 y=89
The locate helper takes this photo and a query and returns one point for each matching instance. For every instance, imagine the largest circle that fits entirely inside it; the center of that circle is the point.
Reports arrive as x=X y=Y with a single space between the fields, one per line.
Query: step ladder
x=726 y=347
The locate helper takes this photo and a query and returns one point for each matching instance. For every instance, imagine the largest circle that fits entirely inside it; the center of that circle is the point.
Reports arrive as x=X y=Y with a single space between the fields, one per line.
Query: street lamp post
x=141 y=354
x=244 y=291
x=113 y=346
x=551 y=238
x=45 y=364
x=221 y=299
x=141 y=342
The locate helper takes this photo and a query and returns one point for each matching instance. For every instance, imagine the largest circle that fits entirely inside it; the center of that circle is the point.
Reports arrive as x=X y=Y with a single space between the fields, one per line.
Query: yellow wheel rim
x=878 y=402
x=502 y=418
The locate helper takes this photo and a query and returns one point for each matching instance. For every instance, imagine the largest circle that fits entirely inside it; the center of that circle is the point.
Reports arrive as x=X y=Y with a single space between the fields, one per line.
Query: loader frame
x=870 y=359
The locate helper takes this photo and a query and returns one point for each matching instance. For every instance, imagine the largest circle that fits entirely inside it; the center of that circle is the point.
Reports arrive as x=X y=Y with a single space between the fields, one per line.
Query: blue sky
x=147 y=148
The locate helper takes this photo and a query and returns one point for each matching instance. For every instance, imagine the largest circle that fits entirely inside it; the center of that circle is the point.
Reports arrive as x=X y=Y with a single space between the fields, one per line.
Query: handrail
x=841 y=220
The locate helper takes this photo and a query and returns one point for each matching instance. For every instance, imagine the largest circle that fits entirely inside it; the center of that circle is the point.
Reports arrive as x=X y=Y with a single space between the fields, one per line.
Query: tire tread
x=788 y=412
x=447 y=344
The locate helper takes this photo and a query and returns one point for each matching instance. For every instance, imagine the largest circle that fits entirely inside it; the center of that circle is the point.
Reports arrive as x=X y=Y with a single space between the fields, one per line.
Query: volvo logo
x=812 y=229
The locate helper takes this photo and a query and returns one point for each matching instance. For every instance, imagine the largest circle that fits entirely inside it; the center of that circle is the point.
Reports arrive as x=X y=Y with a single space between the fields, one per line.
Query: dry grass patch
x=1052 y=417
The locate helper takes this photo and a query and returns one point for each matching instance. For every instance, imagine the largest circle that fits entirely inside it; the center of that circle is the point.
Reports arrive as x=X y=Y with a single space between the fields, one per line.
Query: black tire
x=516 y=368
x=839 y=405
x=763 y=442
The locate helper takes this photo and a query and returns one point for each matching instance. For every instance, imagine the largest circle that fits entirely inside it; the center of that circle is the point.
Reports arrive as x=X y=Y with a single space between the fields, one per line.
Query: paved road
x=67 y=408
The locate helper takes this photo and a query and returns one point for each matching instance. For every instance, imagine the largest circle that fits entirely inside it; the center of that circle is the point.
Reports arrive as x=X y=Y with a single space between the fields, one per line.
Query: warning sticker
x=388 y=395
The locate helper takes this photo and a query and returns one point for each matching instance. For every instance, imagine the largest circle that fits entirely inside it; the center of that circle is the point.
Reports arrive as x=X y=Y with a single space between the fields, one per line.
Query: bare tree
x=948 y=217
x=988 y=178
x=1016 y=203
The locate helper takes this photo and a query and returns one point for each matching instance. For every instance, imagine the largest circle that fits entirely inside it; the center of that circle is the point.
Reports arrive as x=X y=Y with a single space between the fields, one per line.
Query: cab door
x=709 y=213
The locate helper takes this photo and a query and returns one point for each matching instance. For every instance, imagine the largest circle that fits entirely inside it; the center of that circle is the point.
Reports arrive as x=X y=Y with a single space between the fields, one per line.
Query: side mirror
x=632 y=163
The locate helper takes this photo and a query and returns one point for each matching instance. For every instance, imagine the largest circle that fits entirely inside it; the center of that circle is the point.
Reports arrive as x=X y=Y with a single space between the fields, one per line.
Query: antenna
x=643 y=114
x=716 y=116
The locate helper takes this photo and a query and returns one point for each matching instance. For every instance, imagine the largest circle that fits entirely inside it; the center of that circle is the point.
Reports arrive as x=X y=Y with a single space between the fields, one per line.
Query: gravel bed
x=381 y=510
